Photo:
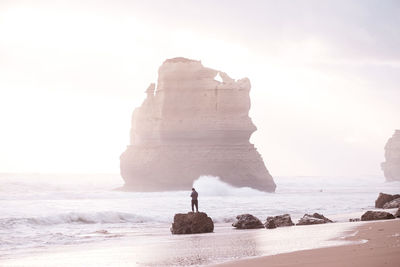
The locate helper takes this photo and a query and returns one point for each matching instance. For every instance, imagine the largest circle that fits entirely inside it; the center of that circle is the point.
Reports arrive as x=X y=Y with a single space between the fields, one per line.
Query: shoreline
x=300 y=246
x=224 y=245
x=381 y=248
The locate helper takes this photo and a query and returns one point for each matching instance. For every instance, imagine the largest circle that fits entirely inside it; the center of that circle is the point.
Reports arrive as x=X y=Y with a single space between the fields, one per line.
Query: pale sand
x=381 y=249
x=164 y=249
x=160 y=248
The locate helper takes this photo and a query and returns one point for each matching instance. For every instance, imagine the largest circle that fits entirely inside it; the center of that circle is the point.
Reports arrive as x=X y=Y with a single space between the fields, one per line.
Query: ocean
x=63 y=212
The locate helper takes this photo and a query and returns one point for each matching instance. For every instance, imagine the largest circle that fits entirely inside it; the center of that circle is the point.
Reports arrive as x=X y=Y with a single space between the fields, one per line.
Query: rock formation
x=192 y=223
x=376 y=215
x=397 y=214
x=270 y=224
x=384 y=198
x=316 y=218
x=395 y=203
x=189 y=125
x=391 y=167
x=247 y=221
x=278 y=221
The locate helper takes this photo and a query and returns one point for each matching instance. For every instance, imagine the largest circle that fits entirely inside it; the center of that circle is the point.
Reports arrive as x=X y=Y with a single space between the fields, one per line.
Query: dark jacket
x=194 y=195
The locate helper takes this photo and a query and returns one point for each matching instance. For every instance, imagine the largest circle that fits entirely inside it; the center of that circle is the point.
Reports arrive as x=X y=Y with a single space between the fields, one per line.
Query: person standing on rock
x=195 y=202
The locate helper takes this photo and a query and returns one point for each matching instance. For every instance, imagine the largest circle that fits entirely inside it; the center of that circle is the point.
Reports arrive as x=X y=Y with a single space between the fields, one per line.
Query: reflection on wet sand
x=163 y=249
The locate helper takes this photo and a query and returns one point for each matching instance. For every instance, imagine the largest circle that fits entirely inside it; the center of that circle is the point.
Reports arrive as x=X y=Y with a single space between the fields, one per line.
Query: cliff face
x=192 y=125
x=391 y=167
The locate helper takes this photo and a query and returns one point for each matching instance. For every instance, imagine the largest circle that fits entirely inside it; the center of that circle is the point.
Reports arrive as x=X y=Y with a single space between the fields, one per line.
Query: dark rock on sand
x=270 y=224
x=322 y=217
x=316 y=218
x=278 y=221
x=192 y=223
x=376 y=215
x=247 y=221
x=354 y=219
x=395 y=203
x=383 y=199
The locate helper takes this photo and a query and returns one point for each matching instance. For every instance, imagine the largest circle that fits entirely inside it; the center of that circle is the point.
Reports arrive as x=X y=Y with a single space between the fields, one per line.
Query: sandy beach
x=160 y=248
x=336 y=244
x=382 y=248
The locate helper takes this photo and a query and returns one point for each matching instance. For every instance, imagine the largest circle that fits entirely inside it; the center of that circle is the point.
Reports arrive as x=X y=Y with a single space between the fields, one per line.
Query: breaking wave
x=106 y=217
x=213 y=186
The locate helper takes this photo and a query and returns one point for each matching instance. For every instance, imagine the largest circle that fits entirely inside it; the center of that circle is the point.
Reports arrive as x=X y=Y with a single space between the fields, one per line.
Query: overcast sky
x=325 y=77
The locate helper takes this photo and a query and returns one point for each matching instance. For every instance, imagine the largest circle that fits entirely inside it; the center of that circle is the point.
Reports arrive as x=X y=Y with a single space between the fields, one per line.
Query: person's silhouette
x=195 y=202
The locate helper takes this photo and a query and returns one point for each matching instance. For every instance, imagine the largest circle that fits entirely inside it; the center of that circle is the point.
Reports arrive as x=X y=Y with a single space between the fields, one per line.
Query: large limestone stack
x=193 y=125
x=391 y=167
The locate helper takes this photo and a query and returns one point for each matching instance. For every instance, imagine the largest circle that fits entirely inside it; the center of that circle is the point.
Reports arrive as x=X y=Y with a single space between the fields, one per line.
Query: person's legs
x=192 y=205
x=196 y=203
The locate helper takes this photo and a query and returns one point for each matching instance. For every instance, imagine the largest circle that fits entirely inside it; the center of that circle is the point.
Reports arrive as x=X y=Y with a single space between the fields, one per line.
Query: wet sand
x=336 y=244
x=160 y=248
x=381 y=248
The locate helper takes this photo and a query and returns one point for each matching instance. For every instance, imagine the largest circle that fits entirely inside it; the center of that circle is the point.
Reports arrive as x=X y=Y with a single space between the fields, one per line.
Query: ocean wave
x=106 y=217
x=224 y=219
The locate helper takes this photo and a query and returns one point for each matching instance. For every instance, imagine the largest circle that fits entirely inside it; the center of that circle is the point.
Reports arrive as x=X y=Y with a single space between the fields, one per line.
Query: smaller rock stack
x=391 y=167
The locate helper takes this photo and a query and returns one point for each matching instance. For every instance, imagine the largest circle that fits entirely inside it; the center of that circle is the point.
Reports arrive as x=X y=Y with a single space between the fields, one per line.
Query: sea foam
x=213 y=186
x=106 y=217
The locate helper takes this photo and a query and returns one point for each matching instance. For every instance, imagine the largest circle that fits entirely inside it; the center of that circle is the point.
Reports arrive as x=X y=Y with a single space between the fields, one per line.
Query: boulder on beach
x=278 y=221
x=376 y=215
x=383 y=199
x=270 y=224
x=247 y=221
x=395 y=203
x=316 y=218
x=192 y=223
x=397 y=214
x=354 y=219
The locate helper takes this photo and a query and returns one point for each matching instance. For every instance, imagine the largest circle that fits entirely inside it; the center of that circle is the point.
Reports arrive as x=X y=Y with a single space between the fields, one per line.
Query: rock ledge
x=192 y=223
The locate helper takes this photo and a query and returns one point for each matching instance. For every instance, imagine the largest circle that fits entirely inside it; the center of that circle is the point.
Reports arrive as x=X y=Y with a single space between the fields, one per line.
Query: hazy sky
x=325 y=77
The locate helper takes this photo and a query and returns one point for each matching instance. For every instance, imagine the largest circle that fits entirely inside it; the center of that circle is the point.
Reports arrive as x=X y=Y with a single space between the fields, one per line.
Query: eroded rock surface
x=191 y=125
x=395 y=203
x=376 y=215
x=192 y=223
x=397 y=214
x=247 y=221
x=316 y=218
x=278 y=221
x=391 y=166
x=383 y=199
